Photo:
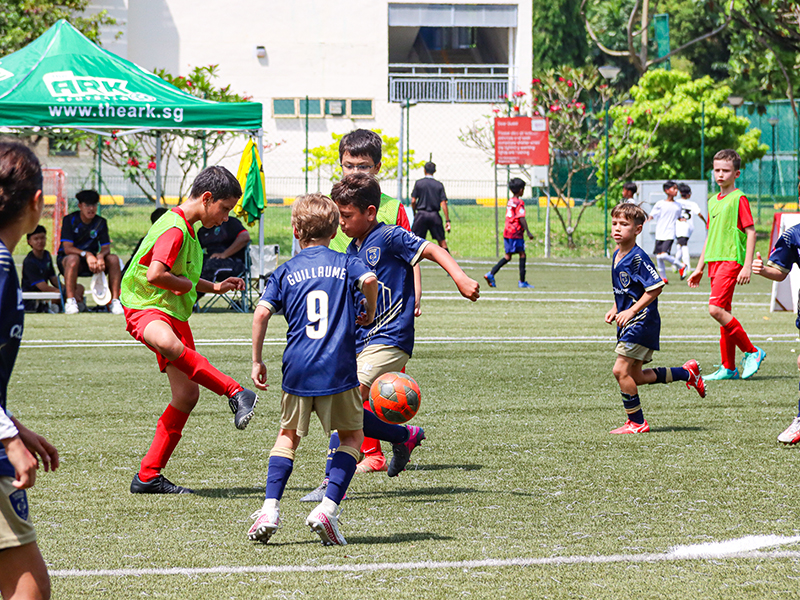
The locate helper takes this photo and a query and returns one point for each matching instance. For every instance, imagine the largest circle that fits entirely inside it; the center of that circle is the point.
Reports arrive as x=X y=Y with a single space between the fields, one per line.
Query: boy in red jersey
x=158 y=292
x=729 y=250
x=513 y=238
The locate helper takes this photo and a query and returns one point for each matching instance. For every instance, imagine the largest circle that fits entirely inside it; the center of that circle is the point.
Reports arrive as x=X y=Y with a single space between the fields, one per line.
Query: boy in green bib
x=158 y=292
x=729 y=250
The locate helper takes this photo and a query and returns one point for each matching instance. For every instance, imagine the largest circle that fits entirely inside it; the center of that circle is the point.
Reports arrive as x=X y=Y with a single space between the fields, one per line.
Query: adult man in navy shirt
x=85 y=250
x=427 y=198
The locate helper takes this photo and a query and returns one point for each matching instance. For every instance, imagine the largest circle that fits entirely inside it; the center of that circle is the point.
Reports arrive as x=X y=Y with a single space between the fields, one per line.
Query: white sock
x=685 y=256
x=661 y=269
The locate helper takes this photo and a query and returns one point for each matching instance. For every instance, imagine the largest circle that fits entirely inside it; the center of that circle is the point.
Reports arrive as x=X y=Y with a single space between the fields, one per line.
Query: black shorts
x=83 y=267
x=425 y=221
x=663 y=247
x=683 y=241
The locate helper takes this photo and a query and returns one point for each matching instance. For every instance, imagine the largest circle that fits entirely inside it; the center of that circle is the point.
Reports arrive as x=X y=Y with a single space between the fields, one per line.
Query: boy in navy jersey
x=783 y=257
x=23 y=573
x=637 y=285
x=38 y=274
x=317 y=292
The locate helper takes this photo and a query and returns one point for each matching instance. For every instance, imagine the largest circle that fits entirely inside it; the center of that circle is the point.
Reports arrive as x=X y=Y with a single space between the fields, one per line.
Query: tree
x=657 y=136
x=22 y=21
x=563 y=96
x=636 y=45
x=325 y=159
x=558 y=35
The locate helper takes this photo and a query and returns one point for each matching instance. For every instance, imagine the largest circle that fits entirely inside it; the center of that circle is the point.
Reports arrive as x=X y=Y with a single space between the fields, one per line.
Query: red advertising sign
x=521 y=141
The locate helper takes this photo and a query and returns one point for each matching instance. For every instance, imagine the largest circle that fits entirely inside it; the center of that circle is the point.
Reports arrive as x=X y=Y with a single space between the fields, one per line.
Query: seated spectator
x=38 y=274
x=223 y=249
x=85 y=250
x=154 y=216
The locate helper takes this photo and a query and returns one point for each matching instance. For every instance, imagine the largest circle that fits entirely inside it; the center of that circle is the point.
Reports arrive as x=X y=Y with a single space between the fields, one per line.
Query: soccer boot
x=695 y=381
x=401 y=453
x=242 y=405
x=490 y=279
x=524 y=285
x=631 y=427
x=792 y=433
x=752 y=362
x=159 y=485
x=722 y=373
x=372 y=463
x=267 y=522
x=682 y=272
x=326 y=525
x=318 y=494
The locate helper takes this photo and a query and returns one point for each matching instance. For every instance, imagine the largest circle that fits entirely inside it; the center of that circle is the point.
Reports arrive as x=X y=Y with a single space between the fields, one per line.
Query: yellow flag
x=251 y=178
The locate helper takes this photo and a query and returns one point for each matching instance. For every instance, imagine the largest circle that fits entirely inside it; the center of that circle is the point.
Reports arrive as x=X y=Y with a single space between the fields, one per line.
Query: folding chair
x=258 y=273
x=236 y=300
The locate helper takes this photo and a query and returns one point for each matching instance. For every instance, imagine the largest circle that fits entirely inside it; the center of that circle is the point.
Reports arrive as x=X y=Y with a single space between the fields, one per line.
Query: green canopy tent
x=62 y=79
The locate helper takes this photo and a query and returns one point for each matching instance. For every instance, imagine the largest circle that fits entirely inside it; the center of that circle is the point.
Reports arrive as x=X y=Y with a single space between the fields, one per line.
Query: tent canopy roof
x=63 y=79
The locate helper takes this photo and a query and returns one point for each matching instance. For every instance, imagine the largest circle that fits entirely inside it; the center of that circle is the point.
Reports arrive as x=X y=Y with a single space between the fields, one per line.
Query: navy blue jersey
x=317 y=292
x=392 y=252
x=36 y=270
x=786 y=254
x=84 y=236
x=631 y=277
x=12 y=315
x=218 y=239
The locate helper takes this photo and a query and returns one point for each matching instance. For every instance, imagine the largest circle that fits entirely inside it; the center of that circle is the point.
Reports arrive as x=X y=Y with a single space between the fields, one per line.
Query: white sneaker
x=266 y=524
x=71 y=307
x=792 y=433
x=326 y=525
x=116 y=307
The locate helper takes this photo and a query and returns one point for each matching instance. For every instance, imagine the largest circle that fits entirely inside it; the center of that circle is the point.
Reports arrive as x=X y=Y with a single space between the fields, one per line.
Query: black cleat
x=401 y=453
x=159 y=485
x=243 y=405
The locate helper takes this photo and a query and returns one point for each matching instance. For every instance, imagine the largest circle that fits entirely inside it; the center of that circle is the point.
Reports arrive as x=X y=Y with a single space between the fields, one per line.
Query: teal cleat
x=490 y=279
x=751 y=362
x=525 y=285
x=722 y=373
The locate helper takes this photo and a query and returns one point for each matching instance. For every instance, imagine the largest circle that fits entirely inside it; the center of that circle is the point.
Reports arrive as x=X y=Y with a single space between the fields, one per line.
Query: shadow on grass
x=416 y=536
x=232 y=492
x=445 y=467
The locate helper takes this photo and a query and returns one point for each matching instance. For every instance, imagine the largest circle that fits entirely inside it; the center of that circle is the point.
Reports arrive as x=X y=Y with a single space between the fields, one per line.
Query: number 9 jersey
x=317 y=292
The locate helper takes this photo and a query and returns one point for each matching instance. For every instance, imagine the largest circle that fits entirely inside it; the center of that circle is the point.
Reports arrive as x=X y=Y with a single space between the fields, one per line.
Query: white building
x=355 y=61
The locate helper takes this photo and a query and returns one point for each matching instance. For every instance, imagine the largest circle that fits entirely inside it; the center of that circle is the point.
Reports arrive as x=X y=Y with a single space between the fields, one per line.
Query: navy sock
x=522 y=269
x=670 y=374
x=333 y=444
x=278 y=473
x=798 y=408
x=375 y=428
x=499 y=265
x=633 y=407
x=343 y=467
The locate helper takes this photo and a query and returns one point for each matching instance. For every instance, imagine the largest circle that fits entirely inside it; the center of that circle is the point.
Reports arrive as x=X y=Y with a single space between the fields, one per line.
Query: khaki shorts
x=343 y=411
x=15 y=528
x=634 y=351
x=377 y=359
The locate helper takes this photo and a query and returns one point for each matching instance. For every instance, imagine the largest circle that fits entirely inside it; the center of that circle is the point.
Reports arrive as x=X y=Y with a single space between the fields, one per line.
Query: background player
x=785 y=255
x=635 y=311
x=684 y=227
x=513 y=238
x=666 y=213
x=316 y=291
x=23 y=573
x=158 y=292
x=729 y=250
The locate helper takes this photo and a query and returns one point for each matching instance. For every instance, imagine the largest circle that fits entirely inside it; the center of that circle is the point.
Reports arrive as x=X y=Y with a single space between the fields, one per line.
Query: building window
x=294 y=108
x=361 y=108
x=284 y=107
x=314 y=107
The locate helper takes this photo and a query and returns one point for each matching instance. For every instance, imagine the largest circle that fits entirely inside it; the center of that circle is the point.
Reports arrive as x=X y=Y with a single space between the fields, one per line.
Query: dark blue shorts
x=514 y=245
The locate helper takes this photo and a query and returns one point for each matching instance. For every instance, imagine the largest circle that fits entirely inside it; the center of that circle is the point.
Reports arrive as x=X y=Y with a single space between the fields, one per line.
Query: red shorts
x=137 y=320
x=723 y=276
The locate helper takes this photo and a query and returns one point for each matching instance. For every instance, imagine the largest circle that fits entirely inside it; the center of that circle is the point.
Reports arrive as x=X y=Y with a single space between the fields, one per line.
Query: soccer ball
x=394 y=398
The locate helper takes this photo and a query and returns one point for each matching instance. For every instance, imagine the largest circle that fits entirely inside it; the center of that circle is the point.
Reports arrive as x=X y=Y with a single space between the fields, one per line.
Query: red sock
x=370 y=445
x=168 y=434
x=727 y=349
x=739 y=336
x=202 y=372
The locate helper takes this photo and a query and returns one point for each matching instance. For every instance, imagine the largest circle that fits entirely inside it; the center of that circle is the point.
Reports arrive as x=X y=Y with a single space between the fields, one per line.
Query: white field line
x=746 y=547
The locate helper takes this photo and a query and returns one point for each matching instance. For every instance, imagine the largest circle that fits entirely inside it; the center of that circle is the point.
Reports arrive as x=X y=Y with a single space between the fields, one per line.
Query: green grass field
x=518 y=492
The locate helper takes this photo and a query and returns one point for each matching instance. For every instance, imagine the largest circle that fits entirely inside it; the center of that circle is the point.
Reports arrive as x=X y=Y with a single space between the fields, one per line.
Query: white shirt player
x=666 y=214
x=685 y=228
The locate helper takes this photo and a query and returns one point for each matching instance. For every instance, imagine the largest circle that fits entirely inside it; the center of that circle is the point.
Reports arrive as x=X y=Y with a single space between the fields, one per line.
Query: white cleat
x=792 y=433
x=267 y=522
x=326 y=526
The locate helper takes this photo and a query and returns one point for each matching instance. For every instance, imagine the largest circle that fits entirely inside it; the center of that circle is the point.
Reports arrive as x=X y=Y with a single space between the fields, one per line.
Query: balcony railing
x=448 y=83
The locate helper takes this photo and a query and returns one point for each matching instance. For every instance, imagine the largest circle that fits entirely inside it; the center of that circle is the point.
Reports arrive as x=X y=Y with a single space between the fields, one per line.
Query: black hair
x=39 y=229
x=20 y=179
x=156 y=214
x=684 y=189
x=430 y=168
x=669 y=184
x=219 y=181
x=88 y=197
x=630 y=186
x=517 y=186
x=359 y=189
x=361 y=142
